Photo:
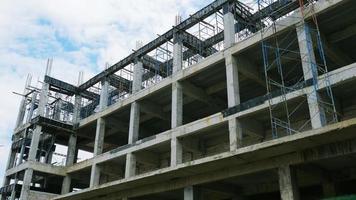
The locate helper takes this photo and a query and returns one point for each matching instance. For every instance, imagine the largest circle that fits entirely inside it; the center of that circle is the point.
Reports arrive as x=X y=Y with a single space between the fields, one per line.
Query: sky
x=80 y=35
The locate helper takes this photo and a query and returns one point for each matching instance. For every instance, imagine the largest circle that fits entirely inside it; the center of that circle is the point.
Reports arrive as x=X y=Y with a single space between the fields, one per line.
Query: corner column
x=287 y=183
x=232 y=77
x=36 y=136
x=310 y=71
x=177 y=98
x=229 y=25
x=22 y=109
x=134 y=125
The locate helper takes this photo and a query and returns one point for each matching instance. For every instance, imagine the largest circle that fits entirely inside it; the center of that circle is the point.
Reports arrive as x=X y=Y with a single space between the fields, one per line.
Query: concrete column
x=287 y=183
x=26 y=184
x=177 y=105
x=72 y=143
x=35 y=140
x=57 y=107
x=137 y=76
x=32 y=106
x=95 y=175
x=23 y=147
x=235 y=134
x=329 y=189
x=31 y=157
x=13 y=192
x=104 y=95
x=177 y=99
x=44 y=92
x=100 y=125
x=99 y=136
x=310 y=71
x=134 y=125
x=191 y=193
x=22 y=109
x=233 y=96
x=176 y=152
x=71 y=154
x=43 y=100
x=130 y=168
x=229 y=25
x=11 y=159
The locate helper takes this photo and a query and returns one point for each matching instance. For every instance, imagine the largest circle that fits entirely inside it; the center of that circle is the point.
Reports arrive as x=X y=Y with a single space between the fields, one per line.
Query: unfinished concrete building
x=238 y=101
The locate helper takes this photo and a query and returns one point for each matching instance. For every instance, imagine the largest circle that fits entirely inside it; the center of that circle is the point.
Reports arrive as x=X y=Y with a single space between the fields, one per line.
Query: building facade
x=236 y=102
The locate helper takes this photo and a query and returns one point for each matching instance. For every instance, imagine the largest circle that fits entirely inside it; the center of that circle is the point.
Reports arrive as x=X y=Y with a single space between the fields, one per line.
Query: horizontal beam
x=186 y=24
x=343 y=34
x=68 y=89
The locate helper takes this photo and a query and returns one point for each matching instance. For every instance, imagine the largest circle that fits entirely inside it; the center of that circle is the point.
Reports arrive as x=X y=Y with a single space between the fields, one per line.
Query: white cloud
x=81 y=35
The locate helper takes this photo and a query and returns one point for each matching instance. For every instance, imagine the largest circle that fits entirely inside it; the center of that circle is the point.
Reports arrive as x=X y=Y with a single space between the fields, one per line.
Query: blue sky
x=80 y=35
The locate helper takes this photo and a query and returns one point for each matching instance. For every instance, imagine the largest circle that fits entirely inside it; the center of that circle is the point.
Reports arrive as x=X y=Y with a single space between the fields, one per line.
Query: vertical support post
x=233 y=95
x=26 y=184
x=310 y=71
x=95 y=175
x=329 y=189
x=100 y=125
x=191 y=193
x=287 y=183
x=72 y=143
x=134 y=125
x=23 y=147
x=6 y=181
x=57 y=107
x=176 y=151
x=100 y=134
x=177 y=97
x=13 y=192
x=232 y=78
x=22 y=109
x=11 y=158
x=32 y=107
x=229 y=25
x=98 y=149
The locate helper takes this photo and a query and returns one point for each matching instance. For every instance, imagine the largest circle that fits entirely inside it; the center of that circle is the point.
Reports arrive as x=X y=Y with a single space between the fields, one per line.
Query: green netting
x=350 y=197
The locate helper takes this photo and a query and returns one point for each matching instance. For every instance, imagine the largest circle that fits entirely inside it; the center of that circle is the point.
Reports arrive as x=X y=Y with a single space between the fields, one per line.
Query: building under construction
x=238 y=101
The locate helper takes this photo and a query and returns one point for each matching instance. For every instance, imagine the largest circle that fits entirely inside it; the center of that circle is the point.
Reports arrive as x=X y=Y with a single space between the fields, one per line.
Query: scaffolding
x=283 y=80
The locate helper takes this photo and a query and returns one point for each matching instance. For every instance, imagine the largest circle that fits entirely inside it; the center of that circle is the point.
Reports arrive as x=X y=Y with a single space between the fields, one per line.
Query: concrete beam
x=191 y=145
x=154 y=109
x=343 y=34
x=148 y=158
x=334 y=53
x=247 y=68
x=197 y=93
x=336 y=77
x=252 y=127
x=248 y=160
x=224 y=188
x=112 y=170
